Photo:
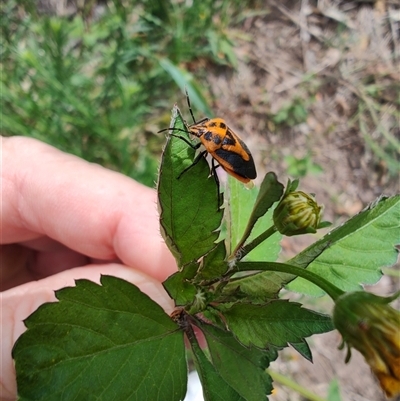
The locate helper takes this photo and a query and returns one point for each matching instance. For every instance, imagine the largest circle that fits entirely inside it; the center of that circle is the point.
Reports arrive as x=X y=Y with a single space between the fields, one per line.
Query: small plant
x=88 y=84
x=292 y=113
x=300 y=167
x=111 y=341
x=374 y=122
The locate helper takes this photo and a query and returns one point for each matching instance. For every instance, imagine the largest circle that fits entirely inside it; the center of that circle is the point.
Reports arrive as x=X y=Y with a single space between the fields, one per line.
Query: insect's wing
x=235 y=158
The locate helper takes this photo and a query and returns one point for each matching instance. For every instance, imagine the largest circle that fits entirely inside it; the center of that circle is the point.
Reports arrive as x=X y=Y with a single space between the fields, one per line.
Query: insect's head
x=199 y=128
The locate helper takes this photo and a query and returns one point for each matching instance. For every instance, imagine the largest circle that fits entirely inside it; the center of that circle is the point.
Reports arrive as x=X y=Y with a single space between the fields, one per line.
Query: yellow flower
x=368 y=324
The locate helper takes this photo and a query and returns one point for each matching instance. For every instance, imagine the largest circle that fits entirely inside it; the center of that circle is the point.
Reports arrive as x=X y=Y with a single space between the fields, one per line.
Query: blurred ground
x=297 y=56
x=321 y=55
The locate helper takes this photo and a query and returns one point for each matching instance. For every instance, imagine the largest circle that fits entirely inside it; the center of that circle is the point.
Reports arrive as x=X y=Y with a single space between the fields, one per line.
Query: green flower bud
x=297 y=213
x=368 y=324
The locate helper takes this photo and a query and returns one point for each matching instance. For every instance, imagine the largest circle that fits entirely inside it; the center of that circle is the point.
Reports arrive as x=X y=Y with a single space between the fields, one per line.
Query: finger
x=92 y=210
x=19 y=302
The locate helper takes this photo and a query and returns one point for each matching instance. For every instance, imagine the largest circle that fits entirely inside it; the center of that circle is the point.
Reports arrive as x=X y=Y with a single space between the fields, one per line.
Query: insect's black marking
x=229 y=139
x=222 y=125
x=241 y=167
x=216 y=139
x=208 y=136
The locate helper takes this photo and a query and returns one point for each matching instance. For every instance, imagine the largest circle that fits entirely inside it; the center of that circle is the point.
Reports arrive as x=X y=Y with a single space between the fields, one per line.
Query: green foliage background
x=98 y=80
x=98 y=83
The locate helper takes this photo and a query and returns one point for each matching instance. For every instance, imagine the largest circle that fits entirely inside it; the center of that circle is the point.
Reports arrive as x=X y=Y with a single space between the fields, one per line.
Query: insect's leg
x=187 y=141
x=190 y=107
x=171 y=129
x=195 y=161
x=213 y=168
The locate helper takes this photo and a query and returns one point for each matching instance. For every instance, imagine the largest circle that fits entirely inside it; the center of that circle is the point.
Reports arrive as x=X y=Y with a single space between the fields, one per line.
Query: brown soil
x=296 y=55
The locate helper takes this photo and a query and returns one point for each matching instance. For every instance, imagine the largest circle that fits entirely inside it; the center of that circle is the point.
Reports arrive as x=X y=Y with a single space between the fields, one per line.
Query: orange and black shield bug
x=222 y=144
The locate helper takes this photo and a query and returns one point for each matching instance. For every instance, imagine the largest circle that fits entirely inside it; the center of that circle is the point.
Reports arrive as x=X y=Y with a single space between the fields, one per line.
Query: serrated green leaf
x=303 y=349
x=241 y=201
x=214 y=264
x=263 y=286
x=179 y=285
x=277 y=323
x=242 y=368
x=189 y=211
x=356 y=250
x=214 y=316
x=270 y=192
x=240 y=205
x=108 y=342
x=215 y=388
x=258 y=287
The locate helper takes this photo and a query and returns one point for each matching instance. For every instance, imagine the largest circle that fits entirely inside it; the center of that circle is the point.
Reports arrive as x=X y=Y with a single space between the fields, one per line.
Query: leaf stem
x=277 y=377
x=240 y=252
x=333 y=291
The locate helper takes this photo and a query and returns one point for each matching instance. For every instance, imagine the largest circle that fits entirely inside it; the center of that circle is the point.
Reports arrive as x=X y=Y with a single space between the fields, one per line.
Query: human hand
x=62 y=219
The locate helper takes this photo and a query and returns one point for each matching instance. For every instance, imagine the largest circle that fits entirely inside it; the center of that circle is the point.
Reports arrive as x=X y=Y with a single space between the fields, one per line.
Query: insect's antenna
x=172 y=129
x=190 y=107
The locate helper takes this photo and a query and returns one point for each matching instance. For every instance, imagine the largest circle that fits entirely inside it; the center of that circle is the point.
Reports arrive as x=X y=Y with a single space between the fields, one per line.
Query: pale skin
x=62 y=219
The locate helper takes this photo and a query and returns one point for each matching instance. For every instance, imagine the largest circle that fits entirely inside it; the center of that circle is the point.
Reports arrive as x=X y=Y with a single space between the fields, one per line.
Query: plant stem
x=240 y=252
x=277 y=377
x=333 y=291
